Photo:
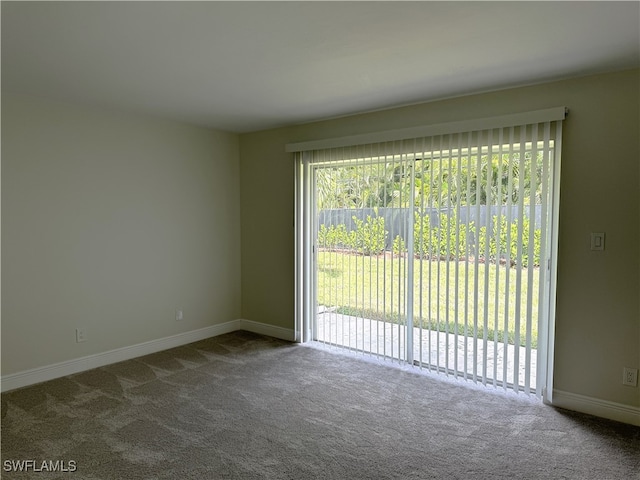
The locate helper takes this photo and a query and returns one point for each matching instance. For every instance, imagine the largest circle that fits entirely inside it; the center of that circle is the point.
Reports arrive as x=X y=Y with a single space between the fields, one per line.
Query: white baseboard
x=69 y=367
x=266 y=329
x=594 y=406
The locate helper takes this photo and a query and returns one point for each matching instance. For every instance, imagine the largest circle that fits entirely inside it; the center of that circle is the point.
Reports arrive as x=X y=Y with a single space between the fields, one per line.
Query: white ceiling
x=246 y=66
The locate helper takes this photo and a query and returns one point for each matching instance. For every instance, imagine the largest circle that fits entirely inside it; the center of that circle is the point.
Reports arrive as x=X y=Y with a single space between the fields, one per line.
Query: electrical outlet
x=630 y=377
x=179 y=316
x=81 y=335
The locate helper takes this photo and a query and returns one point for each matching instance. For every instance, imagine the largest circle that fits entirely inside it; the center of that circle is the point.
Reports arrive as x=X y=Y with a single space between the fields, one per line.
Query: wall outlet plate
x=81 y=335
x=179 y=316
x=630 y=377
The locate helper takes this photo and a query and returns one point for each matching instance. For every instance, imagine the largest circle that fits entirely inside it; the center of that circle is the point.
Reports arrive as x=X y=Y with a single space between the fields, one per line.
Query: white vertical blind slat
x=456 y=366
x=498 y=253
x=429 y=248
x=361 y=277
x=448 y=266
x=476 y=290
x=392 y=265
x=421 y=256
x=544 y=264
x=530 y=256
x=409 y=290
x=549 y=339
x=507 y=299
x=466 y=261
x=488 y=188
x=438 y=256
x=516 y=349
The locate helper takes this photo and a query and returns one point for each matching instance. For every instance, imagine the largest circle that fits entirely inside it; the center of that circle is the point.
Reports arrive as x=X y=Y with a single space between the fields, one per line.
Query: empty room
x=292 y=240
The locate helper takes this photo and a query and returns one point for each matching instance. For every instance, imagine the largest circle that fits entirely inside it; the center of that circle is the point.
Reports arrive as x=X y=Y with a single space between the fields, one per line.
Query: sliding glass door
x=436 y=251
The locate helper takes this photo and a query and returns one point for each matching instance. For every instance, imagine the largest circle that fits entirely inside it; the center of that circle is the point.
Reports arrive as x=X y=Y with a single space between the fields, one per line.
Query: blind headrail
x=526 y=118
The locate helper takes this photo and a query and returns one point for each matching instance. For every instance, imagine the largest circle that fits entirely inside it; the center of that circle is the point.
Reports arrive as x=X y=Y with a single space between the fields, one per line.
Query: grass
x=444 y=294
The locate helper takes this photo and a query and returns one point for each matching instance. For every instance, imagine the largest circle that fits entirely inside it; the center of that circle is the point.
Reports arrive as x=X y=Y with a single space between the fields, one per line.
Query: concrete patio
x=437 y=351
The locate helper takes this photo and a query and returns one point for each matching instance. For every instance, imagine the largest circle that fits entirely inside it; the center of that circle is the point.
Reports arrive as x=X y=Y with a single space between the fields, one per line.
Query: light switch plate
x=597 y=241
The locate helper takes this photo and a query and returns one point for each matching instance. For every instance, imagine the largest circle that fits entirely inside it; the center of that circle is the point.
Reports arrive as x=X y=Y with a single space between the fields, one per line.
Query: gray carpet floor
x=244 y=406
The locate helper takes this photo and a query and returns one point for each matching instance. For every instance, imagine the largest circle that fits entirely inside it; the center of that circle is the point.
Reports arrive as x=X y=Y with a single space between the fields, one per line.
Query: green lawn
x=444 y=298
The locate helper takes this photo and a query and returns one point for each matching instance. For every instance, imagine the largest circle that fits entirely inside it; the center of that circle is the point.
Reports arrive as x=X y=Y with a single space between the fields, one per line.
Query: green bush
x=369 y=237
x=333 y=237
x=448 y=240
x=422 y=235
x=500 y=250
x=323 y=236
x=399 y=246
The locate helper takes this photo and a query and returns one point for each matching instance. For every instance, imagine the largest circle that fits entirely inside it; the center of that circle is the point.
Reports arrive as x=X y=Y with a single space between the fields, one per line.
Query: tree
x=495 y=179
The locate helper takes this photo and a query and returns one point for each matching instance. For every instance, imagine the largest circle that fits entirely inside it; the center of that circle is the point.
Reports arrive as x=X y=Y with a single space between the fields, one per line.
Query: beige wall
x=109 y=222
x=598 y=314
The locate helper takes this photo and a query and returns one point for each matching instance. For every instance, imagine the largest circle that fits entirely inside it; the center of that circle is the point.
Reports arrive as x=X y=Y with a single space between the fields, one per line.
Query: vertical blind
x=434 y=250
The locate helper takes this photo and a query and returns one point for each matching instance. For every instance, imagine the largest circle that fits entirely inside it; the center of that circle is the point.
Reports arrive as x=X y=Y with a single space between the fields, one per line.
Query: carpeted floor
x=244 y=406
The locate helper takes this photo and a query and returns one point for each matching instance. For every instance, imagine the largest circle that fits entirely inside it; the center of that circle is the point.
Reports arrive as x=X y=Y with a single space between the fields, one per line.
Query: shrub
x=323 y=236
x=448 y=240
x=422 y=235
x=500 y=250
x=369 y=237
x=333 y=236
x=399 y=246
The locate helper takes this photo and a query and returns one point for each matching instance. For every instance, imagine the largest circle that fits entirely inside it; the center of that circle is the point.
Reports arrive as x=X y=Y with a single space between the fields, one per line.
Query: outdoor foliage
x=334 y=236
x=508 y=242
x=369 y=237
x=496 y=179
x=399 y=246
x=449 y=240
x=446 y=241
